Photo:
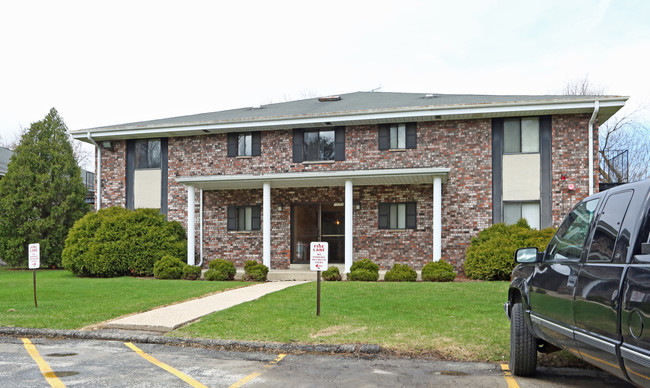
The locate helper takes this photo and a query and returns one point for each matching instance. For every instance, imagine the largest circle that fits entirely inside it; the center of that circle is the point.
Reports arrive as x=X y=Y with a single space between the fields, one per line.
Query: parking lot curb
x=350 y=349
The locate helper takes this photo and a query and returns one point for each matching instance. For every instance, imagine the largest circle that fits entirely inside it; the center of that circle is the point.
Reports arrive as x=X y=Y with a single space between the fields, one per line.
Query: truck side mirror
x=526 y=255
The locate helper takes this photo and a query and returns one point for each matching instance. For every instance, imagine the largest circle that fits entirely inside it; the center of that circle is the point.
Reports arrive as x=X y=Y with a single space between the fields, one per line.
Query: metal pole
x=35 y=303
x=318 y=293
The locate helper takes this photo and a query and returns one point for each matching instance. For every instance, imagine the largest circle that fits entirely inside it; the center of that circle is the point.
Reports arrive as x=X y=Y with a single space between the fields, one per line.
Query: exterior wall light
x=107 y=145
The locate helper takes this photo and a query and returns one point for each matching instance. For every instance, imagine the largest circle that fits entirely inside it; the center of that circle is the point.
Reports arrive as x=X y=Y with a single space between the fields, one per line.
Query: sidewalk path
x=169 y=318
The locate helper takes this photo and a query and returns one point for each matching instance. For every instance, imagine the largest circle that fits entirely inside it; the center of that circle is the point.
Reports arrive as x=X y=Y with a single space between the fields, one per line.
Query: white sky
x=111 y=62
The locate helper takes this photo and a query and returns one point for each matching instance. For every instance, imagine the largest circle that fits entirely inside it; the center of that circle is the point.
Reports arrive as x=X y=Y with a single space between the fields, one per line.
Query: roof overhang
x=579 y=105
x=405 y=176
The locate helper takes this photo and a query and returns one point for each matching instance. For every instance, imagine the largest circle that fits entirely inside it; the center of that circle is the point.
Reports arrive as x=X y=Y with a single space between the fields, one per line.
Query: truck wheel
x=523 y=346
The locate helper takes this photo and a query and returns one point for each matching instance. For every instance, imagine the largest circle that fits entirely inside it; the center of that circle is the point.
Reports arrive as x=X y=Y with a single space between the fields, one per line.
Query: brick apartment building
x=393 y=177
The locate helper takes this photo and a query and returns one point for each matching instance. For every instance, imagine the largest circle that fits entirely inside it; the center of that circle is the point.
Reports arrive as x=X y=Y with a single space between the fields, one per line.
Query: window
x=608 y=229
x=514 y=211
x=318 y=145
x=244 y=144
x=398 y=136
x=521 y=135
x=570 y=237
x=243 y=218
x=397 y=215
x=147 y=154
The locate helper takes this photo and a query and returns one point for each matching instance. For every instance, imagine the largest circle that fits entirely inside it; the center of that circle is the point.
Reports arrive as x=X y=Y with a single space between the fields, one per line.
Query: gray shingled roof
x=5 y=155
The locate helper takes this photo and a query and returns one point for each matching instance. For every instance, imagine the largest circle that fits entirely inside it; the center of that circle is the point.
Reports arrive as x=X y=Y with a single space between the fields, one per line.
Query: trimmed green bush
x=438 y=271
x=363 y=275
x=364 y=264
x=332 y=274
x=221 y=270
x=490 y=254
x=255 y=271
x=401 y=273
x=191 y=272
x=118 y=242
x=168 y=267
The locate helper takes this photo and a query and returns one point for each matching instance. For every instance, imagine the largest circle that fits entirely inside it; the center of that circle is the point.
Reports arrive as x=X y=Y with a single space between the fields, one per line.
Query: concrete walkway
x=171 y=317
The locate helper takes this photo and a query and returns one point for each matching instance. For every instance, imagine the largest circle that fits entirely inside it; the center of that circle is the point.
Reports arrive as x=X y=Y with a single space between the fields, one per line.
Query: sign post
x=318 y=263
x=34 y=260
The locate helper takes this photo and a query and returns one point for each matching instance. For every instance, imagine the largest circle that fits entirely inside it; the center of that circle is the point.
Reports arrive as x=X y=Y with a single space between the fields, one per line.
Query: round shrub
x=364 y=264
x=255 y=271
x=438 y=271
x=363 y=275
x=220 y=270
x=332 y=274
x=117 y=242
x=168 y=267
x=401 y=273
x=490 y=255
x=191 y=272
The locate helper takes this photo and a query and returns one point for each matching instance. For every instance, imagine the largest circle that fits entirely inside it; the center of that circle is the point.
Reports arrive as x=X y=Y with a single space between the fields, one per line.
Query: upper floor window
x=398 y=136
x=397 y=215
x=318 y=145
x=244 y=218
x=244 y=144
x=147 y=154
x=521 y=135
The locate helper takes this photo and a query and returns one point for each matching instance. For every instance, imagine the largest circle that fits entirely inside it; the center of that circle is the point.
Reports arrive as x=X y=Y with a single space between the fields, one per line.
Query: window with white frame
x=514 y=211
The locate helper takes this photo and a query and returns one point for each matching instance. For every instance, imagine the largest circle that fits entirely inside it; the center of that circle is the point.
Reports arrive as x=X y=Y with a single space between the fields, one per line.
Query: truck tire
x=523 y=346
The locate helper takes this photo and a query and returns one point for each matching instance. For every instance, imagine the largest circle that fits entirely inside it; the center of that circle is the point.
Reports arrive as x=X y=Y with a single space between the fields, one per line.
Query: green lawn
x=68 y=302
x=460 y=320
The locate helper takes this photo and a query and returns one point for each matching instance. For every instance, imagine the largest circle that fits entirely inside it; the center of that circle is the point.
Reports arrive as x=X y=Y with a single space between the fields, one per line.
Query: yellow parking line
x=166 y=367
x=42 y=365
x=512 y=383
x=255 y=374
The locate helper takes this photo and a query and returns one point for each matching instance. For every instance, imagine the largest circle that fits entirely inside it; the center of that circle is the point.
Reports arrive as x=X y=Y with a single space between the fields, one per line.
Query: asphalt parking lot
x=42 y=362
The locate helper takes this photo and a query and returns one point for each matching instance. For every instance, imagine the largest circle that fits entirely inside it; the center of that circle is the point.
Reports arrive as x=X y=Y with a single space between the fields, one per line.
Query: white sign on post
x=34 y=256
x=319 y=254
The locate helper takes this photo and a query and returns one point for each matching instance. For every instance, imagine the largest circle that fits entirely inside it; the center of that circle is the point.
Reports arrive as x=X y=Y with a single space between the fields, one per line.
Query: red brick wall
x=114 y=175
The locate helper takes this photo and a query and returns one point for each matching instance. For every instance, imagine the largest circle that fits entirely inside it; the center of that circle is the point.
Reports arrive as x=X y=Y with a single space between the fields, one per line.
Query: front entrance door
x=317 y=222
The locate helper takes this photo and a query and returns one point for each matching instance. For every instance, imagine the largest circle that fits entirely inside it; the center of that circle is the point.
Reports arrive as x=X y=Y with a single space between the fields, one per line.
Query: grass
x=68 y=302
x=459 y=320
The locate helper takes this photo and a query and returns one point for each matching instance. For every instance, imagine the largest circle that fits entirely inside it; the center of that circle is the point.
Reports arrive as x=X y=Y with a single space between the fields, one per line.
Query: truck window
x=570 y=237
x=608 y=227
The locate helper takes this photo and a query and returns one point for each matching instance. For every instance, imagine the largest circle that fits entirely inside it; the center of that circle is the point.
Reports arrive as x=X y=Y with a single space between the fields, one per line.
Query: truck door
x=596 y=305
x=553 y=283
x=635 y=310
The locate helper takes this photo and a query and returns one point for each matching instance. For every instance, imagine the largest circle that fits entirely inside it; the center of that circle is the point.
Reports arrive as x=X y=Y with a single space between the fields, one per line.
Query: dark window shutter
x=411 y=135
x=232 y=144
x=297 y=145
x=411 y=215
x=384 y=137
x=384 y=215
x=256 y=139
x=232 y=217
x=339 y=141
x=256 y=217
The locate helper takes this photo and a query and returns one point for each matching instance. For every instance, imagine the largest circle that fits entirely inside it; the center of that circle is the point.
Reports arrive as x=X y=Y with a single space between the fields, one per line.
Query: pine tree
x=41 y=195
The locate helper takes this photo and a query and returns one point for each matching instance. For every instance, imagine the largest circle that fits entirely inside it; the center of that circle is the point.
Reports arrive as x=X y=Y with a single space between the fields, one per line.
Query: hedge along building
x=394 y=177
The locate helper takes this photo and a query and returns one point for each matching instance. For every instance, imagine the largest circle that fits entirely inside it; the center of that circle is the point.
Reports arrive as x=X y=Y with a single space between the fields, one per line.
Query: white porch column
x=266 y=225
x=437 y=218
x=190 y=225
x=349 y=227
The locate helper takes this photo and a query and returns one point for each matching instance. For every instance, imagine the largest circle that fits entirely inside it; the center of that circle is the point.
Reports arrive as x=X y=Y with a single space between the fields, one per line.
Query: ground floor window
x=243 y=218
x=397 y=215
x=514 y=211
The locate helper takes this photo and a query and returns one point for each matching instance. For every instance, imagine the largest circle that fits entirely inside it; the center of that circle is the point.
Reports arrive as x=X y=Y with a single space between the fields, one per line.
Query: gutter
x=591 y=146
x=98 y=197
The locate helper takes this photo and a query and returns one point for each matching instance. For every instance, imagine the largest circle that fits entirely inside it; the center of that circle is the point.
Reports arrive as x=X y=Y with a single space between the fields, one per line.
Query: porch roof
x=403 y=176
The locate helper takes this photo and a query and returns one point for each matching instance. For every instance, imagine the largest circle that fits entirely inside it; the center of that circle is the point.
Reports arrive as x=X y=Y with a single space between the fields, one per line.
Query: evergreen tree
x=42 y=194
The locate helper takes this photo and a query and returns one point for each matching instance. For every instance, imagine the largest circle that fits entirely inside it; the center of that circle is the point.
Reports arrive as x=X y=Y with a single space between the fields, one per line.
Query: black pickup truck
x=589 y=291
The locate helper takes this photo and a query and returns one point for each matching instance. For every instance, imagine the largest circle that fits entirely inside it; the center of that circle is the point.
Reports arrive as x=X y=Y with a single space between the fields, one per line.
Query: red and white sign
x=34 y=256
x=319 y=254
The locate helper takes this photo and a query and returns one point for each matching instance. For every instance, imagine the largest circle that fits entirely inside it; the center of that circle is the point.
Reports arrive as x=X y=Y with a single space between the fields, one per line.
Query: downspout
x=200 y=228
x=591 y=146
x=98 y=197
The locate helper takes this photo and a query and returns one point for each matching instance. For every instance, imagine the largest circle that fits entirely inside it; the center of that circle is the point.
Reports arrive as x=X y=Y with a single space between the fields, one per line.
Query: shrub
x=438 y=271
x=332 y=274
x=490 y=254
x=168 y=267
x=191 y=272
x=364 y=264
x=401 y=273
x=220 y=270
x=255 y=271
x=117 y=242
x=363 y=275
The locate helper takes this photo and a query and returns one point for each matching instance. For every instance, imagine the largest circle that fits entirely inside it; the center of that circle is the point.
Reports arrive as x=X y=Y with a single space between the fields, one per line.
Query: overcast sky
x=109 y=62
